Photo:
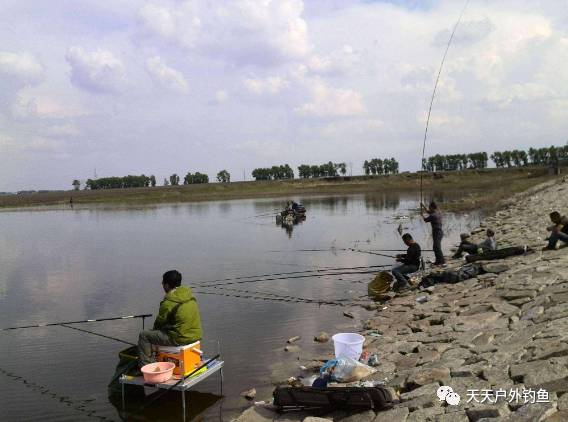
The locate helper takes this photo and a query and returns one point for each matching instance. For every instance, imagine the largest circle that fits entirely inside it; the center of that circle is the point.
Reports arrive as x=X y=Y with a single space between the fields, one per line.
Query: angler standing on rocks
x=435 y=219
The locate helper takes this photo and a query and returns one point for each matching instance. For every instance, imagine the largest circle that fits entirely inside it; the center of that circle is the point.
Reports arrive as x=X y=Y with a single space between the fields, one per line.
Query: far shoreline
x=481 y=188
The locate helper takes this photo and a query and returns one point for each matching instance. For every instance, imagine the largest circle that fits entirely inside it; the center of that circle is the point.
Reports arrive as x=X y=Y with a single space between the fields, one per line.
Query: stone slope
x=502 y=332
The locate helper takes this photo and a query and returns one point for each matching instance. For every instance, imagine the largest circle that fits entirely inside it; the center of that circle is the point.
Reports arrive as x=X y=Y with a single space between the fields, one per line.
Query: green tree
x=76 y=184
x=174 y=180
x=152 y=180
x=223 y=176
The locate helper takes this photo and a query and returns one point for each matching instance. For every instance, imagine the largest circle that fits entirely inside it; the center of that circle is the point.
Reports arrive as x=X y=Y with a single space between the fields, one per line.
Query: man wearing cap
x=489 y=244
x=465 y=246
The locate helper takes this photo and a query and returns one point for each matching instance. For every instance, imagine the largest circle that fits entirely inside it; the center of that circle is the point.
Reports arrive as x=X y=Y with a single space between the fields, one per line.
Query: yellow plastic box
x=186 y=358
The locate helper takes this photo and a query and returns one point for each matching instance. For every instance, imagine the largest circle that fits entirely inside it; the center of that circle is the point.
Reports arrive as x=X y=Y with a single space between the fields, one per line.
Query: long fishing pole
x=76 y=322
x=296 y=277
x=205 y=283
x=434 y=95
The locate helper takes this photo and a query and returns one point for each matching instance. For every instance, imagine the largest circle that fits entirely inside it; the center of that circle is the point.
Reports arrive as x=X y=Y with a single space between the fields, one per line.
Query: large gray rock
x=425 y=390
x=367 y=416
x=426 y=414
x=257 y=414
x=539 y=372
x=532 y=412
x=480 y=411
x=398 y=414
x=424 y=376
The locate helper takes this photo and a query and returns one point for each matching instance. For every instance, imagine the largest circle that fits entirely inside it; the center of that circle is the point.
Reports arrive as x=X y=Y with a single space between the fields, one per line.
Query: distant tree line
x=119 y=182
x=476 y=160
x=273 y=173
x=534 y=156
x=380 y=166
x=328 y=169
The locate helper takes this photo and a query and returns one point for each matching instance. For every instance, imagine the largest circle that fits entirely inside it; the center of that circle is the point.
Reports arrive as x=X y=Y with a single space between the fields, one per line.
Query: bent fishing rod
x=49 y=324
x=434 y=95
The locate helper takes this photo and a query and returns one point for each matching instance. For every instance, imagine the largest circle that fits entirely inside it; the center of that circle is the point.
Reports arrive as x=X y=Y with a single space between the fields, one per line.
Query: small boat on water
x=292 y=214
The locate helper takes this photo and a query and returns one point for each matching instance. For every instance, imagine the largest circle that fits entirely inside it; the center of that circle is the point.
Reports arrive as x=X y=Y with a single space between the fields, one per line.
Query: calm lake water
x=63 y=265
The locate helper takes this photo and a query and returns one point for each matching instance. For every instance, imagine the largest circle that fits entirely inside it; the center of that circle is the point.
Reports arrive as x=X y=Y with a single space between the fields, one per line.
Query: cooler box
x=186 y=358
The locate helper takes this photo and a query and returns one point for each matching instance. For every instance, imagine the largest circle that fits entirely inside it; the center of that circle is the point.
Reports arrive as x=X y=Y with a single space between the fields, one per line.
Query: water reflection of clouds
x=82 y=263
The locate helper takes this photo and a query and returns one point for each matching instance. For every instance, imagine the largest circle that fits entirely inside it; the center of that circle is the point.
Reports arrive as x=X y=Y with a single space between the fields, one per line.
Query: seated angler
x=178 y=322
x=465 y=246
x=489 y=244
x=558 y=230
x=410 y=263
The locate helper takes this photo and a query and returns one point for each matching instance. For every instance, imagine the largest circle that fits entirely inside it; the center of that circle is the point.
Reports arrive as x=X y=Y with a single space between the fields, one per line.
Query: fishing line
x=205 y=283
x=79 y=405
x=97 y=334
x=434 y=95
x=297 y=276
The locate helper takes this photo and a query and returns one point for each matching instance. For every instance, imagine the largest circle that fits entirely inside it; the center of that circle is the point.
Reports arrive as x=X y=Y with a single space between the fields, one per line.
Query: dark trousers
x=555 y=237
x=146 y=339
x=400 y=273
x=437 y=246
x=468 y=247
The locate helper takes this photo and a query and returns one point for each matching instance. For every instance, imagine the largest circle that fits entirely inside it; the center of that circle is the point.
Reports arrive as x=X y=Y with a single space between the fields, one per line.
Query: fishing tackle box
x=186 y=358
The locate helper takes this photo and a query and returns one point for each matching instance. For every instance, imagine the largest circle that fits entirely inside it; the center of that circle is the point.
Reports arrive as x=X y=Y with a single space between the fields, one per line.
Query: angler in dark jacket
x=410 y=263
x=435 y=219
x=178 y=320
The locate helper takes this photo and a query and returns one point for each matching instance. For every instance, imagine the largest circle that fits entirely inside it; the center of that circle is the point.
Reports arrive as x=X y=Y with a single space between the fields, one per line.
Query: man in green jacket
x=178 y=320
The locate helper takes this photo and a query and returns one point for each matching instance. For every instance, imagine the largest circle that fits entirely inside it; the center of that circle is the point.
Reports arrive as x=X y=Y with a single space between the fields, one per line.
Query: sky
x=170 y=86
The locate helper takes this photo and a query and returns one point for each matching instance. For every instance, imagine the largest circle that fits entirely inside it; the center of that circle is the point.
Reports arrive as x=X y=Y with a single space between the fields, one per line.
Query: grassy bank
x=482 y=188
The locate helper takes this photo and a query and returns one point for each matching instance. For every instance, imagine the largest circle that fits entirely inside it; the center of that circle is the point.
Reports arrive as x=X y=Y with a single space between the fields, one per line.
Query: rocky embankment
x=500 y=340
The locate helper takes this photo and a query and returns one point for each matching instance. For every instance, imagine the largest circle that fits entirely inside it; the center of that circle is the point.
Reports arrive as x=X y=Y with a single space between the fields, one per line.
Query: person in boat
x=410 y=263
x=489 y=244
x=558 y=230
x=178 y=322
x=434 y=217
x=295 y=207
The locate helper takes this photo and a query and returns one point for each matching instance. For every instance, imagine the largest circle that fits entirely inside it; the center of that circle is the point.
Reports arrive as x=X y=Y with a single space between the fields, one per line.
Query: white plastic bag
x=350 y=370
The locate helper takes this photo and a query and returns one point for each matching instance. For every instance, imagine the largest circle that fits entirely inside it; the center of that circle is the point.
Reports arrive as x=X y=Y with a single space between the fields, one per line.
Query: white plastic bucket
x=348 y=345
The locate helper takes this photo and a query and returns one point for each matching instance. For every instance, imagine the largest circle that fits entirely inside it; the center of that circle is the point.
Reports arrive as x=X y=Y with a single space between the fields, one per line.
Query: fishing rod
x=434 y=95
x=97 y=334
x=181 y=381
x=204 y=283
x=143 y=316
x=298 y=276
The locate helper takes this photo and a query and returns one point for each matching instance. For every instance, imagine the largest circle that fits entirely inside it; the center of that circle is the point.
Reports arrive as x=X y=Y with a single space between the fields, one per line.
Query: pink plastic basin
x=157 y=372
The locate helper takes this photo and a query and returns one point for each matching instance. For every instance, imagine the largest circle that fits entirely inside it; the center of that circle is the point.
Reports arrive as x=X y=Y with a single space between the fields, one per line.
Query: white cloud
x=165 y=75
x=241 y=31
x=97 y=71
x=332 y=102
x=221 y=96
x=469 y=32
x=271 y=85
x=29 y=105
x=63 y=131
x=22 y=67
x=176 y=22
x=337 y=63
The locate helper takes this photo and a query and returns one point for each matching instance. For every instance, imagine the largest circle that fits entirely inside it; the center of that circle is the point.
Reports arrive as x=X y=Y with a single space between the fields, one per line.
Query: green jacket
x=182 y=323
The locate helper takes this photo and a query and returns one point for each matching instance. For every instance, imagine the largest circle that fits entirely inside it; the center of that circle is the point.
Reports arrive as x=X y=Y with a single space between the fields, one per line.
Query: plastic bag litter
x=346 y=369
